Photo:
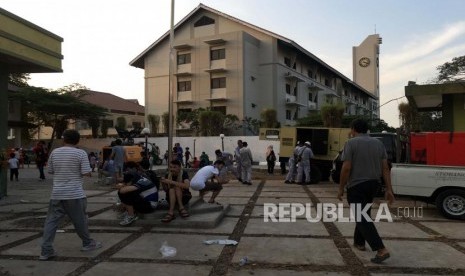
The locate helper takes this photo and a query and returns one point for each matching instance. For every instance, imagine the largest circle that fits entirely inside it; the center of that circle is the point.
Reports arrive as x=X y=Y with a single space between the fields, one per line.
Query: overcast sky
x=102 y=37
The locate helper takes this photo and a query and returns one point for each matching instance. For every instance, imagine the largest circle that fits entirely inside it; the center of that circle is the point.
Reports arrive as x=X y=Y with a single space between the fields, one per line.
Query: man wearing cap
x=304 y=165
x=293 y=164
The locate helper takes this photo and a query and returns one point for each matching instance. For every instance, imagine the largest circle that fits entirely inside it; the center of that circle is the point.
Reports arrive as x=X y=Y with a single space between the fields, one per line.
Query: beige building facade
x=229 y=65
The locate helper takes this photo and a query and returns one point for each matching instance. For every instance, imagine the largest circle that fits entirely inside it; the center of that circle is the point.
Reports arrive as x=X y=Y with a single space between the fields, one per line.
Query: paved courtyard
x=422 y=243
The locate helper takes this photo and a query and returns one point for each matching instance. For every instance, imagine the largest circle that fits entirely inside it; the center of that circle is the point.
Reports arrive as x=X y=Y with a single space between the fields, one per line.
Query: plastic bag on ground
x=167 y=251
x=226 y=242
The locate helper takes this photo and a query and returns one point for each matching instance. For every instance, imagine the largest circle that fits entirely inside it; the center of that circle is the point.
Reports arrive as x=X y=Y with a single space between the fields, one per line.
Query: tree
x=332 y=115
x=104 y=128
x=154 y=122
x=452 y=71
x=251 y=125
x=121 y=122
x=56 y=108
x=19 y=79
x=269 y=118
x=94 y=123
x=313 y=120
x=165 y=117
x=211 y=123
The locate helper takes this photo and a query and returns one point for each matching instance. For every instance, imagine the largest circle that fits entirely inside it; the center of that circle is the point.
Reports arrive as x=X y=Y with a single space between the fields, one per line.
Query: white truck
x=440 y=185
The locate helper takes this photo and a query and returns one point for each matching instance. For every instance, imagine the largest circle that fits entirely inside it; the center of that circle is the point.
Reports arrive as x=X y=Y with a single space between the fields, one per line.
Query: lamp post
x=194 y=147
x=222 y=141
x=146 y=132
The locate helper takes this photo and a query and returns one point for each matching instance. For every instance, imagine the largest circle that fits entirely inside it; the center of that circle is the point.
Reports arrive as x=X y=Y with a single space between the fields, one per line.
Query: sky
x=101 y=37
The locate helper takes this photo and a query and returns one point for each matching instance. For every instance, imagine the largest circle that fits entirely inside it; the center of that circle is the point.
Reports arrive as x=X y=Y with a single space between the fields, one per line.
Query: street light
x=146 y=132
x=222 y=141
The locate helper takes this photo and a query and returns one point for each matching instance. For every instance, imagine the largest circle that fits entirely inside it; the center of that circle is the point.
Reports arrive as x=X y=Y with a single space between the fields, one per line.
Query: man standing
x=364 y=163
x=246 y=163
x=117 y=155
x=228 y=160
x=304 y=165
x=293 y=164
x=41 y=158
x=68 y=164
x=237 y=156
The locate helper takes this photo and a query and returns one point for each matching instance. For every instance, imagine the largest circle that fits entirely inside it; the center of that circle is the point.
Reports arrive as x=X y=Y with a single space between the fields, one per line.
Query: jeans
x=41 y=171
x=57 y=209
x=363 y=194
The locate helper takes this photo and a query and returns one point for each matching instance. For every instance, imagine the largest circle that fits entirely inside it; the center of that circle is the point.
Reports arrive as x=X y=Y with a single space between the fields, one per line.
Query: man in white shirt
x=201 y=181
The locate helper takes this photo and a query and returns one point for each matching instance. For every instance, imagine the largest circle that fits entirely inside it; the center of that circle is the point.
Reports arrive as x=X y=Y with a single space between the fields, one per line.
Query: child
x=14 y=165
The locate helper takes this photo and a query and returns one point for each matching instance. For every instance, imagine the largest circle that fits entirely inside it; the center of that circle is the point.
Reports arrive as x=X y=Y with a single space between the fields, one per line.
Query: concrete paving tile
x=420 y=254
x=386 y=229
x=299 y=227
x=284 y=194
x=91 y=207
x=397 y=274
x=287 y=188
x=28 y=267
x=268 y=272
x=93 y=192
x=294 y=251
x=320 y=188
x=67 y=245
x=224 y=199
x=103 y=199
x=9 y=237
x=237 y=193
x=225 y=227
x=112 y=269
x=406 y=202
x=277 y=200
x=235 y=210
x=454 y=230
x=189 y=247
x=19 y=223
x=22 y=207
x=333 y=200
x=428 y=214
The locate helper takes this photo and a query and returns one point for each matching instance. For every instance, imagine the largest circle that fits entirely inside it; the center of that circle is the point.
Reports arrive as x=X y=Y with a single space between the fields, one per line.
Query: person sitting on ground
x=200 y=182
x=137 y=193
x=175 y=194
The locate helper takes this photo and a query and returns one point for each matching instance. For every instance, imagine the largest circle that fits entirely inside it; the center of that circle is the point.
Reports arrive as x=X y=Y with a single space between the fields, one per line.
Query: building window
x=183 y=111
x=310 y=74
x=288 y=88
x=310 y=97
x=136 y=124
x=204 y=20
x=217 y=54
x=218 y=83
x=295 y=91
x=108 y=123
x=11 y=107
x=288 y=115
x=221 y=109
x=327 y=82
x=287 y=61
x=184 y=58
x=184 y=86
x=345 y=92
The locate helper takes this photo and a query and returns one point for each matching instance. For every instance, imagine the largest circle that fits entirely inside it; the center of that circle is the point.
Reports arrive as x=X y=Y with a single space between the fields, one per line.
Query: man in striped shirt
x=69 y=165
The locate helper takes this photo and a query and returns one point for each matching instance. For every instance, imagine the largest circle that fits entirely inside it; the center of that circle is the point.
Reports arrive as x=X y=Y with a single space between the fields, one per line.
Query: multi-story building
x=232 y=66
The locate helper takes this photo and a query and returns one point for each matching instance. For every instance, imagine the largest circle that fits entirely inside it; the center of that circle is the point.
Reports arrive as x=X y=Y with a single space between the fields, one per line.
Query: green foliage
x=166 y=121
x=452 y=71
x=211 y=123
x=313 y=120
x=104 y=128
x=154 y=122
x=332 y=115
x=269 y=118
x=19 y=79
x=251 y=125
x=94 y=123
x=121 y=122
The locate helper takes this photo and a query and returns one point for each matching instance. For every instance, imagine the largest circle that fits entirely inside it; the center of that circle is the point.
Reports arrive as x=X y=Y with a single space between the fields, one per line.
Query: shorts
x=135 y=200
x=212 y=186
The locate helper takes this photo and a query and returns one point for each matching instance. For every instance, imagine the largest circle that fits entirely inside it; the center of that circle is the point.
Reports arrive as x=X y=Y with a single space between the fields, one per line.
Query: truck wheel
x=451 y=203
x=315 y=174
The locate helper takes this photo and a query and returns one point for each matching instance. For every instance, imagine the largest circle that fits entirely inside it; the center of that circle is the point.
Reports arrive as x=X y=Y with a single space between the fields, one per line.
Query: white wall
x=207 y=144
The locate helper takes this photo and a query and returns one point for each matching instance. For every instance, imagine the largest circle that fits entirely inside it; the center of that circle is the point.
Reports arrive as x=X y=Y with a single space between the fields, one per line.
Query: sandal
x=169 y=217
x=183 y=213
x=379 y=259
